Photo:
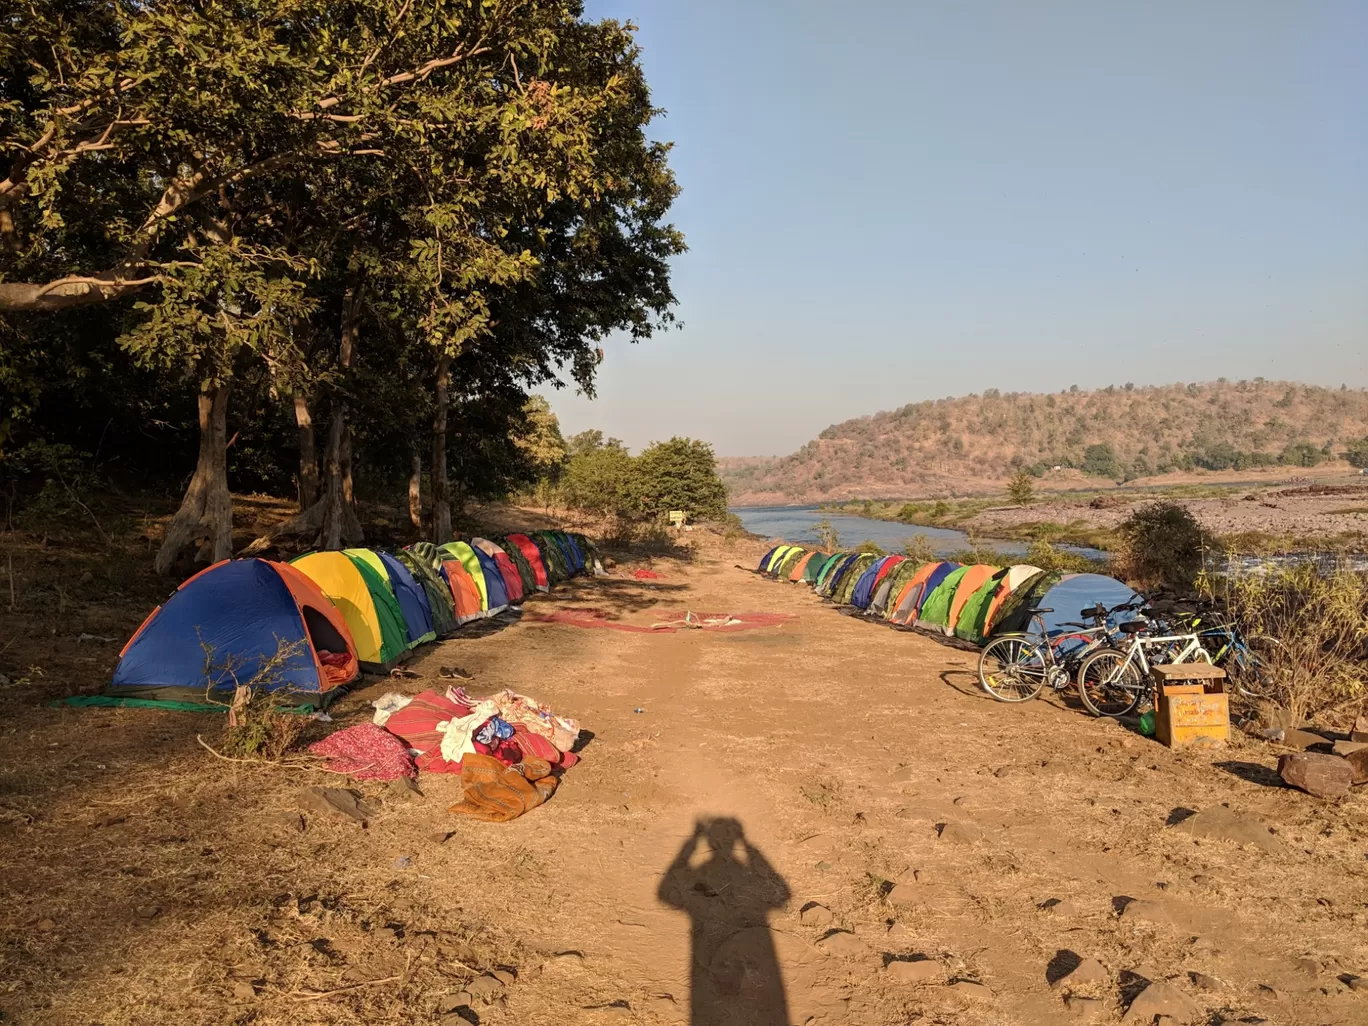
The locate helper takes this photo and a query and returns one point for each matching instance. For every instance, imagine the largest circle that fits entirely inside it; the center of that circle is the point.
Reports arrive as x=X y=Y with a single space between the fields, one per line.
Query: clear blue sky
x=893 y=201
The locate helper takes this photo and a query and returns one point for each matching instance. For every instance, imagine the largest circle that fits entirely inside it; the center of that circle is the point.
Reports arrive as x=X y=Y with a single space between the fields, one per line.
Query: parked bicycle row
x=1019 y=616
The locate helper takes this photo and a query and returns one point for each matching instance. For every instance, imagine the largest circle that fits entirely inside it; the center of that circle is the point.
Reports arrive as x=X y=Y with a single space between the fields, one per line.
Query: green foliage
x=1050 y=557
x=600 y=481
x=1357 y=453
x=1021 y=489
x=1301 y=454
x=680 y=474
x=1161 y=544
x=919 y=550
x=869 y=545
x=827 y=536
x=1100 y=460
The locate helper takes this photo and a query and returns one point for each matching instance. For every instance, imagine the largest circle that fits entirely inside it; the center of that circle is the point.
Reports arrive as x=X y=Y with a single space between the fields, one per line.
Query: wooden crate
x=1190 y=704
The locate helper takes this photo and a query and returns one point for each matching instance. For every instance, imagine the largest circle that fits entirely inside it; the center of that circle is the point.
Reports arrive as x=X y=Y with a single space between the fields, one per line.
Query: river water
x=798 y=524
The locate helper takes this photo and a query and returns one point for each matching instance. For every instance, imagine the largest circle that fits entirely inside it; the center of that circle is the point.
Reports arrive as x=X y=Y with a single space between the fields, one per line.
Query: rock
x=843 y=944
x=405 y=787
x=292 y=822
x=1162 y=999
x=1062 y=907
x=1324 y=776
x=148 y=911
x=1275 y=715
x=1088 y=971
x=1346 y=748
x=903 y=895
x=1203 y=982
x=896 y=931
x=1225 y=824
x=1302 y=739
x=918 y=969
x=449 y=1002
x=972 y=990
x=1358 y=983
x=336 y=801
x=1308 y=967
x=1271 y=733
x=1084 y=1007
x=1360 y=729
x=504 y=976
x=816 y=915
x=243 y=991
x=1002 y=771
x=46 y=926
x=487 y=987
x=439 y=836
x=959 y=832
x=1146 y=911
x=1358 y=765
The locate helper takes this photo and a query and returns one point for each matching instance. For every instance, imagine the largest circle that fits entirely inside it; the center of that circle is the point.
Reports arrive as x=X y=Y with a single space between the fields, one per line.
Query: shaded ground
x=823 y=761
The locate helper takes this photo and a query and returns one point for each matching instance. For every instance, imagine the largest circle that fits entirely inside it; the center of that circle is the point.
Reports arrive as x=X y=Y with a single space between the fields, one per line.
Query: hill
x=972 y=444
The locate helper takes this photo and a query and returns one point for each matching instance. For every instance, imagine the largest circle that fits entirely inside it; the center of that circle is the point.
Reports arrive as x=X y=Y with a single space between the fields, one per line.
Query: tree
x=1021 y=489
x=599 y=481
x=1100 y=460
x=680 y=474
x=1301 y=454
x=1357 y=454
x=1162 y=544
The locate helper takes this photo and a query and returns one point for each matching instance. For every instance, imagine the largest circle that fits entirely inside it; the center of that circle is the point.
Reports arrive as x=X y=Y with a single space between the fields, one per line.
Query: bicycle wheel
x=1013 y=668
x=1109 y=684
x=1253 y=665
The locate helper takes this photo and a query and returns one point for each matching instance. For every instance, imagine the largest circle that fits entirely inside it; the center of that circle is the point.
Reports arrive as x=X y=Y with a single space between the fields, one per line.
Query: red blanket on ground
x=365 y=752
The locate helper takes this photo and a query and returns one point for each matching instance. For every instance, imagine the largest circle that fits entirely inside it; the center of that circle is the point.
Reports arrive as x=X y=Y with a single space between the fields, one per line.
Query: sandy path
x=827 y=759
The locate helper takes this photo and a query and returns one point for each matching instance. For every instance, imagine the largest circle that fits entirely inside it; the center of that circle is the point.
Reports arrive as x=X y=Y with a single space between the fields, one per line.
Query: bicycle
x=1017 y=667
x=1248 y=660
x=1113 y=681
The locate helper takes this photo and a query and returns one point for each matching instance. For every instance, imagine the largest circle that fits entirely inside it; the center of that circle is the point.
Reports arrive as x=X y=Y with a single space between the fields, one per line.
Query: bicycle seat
x=1134 y=627
x=1094 y=611
x=1038 y=610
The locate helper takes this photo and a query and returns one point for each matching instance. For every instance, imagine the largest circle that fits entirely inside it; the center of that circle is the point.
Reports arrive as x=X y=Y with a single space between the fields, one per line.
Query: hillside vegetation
x=956 y=446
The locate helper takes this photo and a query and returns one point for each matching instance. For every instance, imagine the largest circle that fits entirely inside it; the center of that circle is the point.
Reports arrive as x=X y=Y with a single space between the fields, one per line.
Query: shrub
x=1318 y=623
x=1101 y=461
x=827 y=536
x=1161 y=544
x=679 y=474
x=1021 y=489
x=1357 y=455
x=869 y=545
x=918 y=549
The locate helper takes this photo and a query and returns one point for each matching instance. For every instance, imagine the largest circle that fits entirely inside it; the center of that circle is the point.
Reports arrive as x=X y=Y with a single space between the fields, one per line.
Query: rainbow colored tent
x=367 y=605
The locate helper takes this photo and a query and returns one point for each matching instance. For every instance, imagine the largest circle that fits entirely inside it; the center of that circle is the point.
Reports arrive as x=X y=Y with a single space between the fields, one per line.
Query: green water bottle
x=1147 y=723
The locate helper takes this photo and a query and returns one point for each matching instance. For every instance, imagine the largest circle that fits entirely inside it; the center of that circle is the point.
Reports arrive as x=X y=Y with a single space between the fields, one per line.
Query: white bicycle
x=1113 y=681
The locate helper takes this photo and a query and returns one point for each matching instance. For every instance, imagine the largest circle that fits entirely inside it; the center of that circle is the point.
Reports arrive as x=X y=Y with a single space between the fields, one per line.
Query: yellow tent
x=366 y=603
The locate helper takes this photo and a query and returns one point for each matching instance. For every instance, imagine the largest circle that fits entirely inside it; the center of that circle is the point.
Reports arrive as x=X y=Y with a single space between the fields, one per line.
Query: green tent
x=779 y=555
x=935 y=610
x=829 y=568
x=436 y=590
x=524 y=568
x=891 y=587
x=814 y=568
x=972 y=618
x=787 y=564
x=845 y=588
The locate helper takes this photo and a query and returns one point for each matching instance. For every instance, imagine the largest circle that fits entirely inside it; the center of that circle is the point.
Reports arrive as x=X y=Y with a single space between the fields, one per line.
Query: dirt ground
x=732 y=781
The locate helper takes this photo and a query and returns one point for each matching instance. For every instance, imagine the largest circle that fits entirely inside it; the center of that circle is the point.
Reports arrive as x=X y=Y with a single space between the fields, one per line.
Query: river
x=798 y=524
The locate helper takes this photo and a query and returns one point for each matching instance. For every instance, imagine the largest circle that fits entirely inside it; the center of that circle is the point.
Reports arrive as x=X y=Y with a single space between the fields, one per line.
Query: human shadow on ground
x=728 y=889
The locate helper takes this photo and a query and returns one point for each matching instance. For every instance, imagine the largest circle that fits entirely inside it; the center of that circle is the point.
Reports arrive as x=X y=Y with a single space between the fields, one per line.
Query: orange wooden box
x=1190 y=705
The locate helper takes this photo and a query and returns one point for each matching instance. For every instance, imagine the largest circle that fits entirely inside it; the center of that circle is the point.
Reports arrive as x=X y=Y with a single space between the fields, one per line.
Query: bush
x=1101 y=461
x=1161 y=544
x=1021 y=489
x=1318 y=622
x=869 y=545
x=918 y=549
x=1048 y=557
x=598 y=480
x=1357 y=454
x=1301 y=454
x=679 y=474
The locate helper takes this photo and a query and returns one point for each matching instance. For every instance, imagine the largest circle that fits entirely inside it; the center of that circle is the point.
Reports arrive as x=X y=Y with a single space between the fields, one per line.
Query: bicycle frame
x=1139 y=643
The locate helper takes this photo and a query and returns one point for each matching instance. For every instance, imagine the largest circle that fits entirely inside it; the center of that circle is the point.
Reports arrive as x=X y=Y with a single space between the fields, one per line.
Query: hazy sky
x=893 y=201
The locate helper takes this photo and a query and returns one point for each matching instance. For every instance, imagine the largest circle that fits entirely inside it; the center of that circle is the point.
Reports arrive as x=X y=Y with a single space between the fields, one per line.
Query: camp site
x=543 y=512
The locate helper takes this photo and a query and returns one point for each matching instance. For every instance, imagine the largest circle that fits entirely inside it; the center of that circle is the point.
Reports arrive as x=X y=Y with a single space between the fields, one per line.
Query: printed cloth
x=390 y=702
x=519 y=709
x=674 y=621
x=493 y=730
x=365 y=752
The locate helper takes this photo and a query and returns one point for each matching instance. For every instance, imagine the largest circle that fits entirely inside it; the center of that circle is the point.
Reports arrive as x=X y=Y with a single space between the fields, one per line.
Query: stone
x=487 y=987
x=1358 y=983
x=243 y=991
x=971 y=990
x=1224 y=824
x=1302 y=739
x=918 y=969
x=1358 y=765
x=1346 y=748
x=449 y=1002
x=46 y=926
x=1145 y=911
x=336 y=801
x=504 y=976
x=896 y=931
x=1308 y=967
x=1203 y=982
x=816 y=915
x=1062 y=907
x=903 y=895
x=959 y=832
x=405 y=787
x=843 y=944
x=1087 y=972
x=1084 y=1007
x=1324 y=776
x=1271 y=733
x=148 y=911
x=292 y=822
x=1162 y=999
x=1359 y=732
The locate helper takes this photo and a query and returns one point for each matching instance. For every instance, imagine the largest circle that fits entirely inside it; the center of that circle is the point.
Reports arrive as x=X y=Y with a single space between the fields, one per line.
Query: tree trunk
x=441 y=499
x=308 y=454
x=416 y=493
x=332 y=518
x=206 y=512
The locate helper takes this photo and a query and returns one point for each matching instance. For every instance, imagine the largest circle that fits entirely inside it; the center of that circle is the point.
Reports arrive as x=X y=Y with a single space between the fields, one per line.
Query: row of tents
x=971 y=603
x=314 y=624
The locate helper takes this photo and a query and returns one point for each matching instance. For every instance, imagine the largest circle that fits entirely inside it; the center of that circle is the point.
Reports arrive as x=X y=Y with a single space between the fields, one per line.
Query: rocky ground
x=824 y=823
x=1294 y=511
